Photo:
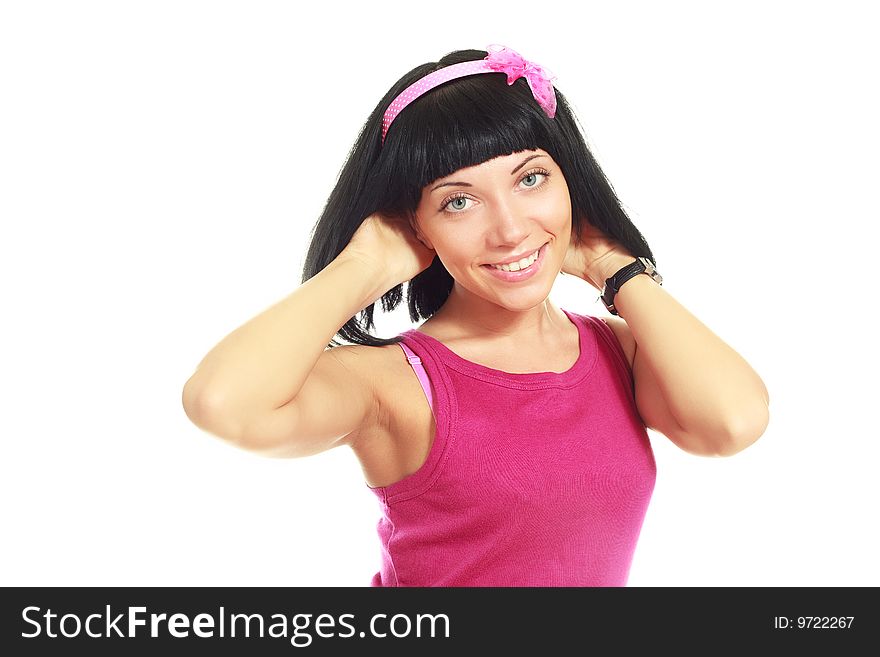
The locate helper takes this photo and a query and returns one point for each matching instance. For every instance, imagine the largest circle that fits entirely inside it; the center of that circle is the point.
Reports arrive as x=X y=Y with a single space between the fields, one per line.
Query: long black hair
x=461 y=123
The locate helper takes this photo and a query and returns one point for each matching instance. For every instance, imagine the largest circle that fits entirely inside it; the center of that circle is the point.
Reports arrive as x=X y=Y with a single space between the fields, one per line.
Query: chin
x=521 y=298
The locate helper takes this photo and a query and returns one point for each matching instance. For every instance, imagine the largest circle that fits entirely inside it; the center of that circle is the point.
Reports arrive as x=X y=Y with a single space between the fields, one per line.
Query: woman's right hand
x=390 y=245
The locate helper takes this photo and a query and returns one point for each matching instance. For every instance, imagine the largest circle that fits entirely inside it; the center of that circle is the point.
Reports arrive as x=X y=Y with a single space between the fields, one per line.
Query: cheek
x=454 y=249
x=562 y=215
x=458 y=251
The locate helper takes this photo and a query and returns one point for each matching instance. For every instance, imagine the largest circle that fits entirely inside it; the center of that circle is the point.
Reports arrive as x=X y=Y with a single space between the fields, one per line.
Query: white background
x=161 y=164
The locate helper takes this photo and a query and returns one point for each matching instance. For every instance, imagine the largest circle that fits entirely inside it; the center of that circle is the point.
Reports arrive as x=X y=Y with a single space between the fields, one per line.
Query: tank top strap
x=416 y=363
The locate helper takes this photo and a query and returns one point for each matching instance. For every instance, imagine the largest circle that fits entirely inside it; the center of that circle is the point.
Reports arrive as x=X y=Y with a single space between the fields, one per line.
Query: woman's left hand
x=595 y=256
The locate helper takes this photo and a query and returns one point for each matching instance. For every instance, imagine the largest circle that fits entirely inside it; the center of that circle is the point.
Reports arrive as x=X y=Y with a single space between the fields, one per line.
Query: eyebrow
x=467 y=184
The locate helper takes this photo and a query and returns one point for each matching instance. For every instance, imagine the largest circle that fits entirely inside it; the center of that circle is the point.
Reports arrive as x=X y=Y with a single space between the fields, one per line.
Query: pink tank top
x=539 y=479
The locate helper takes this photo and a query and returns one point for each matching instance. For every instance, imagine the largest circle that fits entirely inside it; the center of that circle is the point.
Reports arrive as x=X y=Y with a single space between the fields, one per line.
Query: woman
x=505 y=438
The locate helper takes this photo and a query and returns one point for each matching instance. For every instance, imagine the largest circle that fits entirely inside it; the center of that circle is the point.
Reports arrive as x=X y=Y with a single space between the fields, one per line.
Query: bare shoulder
x=624 y=336
x=376 y=368
x=370 y=363
x=396 y=440
x=356 y=358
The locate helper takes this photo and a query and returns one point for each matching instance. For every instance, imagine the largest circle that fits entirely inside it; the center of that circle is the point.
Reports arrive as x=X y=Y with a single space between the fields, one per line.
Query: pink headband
x=499 y=60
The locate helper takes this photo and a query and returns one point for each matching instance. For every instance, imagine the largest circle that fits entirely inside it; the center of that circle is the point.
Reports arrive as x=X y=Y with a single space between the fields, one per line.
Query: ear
x=414 y=224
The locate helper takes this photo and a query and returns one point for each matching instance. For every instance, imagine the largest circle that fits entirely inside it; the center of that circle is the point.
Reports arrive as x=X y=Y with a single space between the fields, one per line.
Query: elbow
x=205 y=410
x=193 y=404
x=729 y=437
x=211 y=413
x=745 y=429
x=196 y=404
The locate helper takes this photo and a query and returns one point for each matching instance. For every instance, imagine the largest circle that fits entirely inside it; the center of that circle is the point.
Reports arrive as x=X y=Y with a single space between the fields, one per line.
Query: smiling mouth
x=522 y=263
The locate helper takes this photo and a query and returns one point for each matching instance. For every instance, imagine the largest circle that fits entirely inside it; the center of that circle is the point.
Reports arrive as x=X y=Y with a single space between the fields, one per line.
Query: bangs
x=460 y=124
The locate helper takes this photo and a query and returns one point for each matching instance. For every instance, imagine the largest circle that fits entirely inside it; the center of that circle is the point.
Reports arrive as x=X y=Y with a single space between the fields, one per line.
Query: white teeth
x=520 y=264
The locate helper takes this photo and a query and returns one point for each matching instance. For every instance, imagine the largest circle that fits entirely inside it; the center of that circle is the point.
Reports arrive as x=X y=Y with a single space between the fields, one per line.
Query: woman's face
x=503 y=209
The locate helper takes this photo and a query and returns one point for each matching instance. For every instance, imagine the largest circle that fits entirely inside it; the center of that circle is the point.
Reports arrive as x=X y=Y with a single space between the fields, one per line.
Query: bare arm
x=243 y=388
x=690 y=385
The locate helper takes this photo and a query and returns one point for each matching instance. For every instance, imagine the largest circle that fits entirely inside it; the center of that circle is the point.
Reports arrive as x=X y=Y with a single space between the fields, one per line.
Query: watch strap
x=613 y=284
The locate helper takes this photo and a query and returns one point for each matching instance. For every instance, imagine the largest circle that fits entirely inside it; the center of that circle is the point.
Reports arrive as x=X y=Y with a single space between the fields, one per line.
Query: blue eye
x=461 y=196
x=536 y=172
x=454 y=199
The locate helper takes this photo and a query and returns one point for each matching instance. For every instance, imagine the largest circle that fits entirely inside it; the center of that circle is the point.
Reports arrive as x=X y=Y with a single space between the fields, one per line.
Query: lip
x=522 y=274
x=515 y=258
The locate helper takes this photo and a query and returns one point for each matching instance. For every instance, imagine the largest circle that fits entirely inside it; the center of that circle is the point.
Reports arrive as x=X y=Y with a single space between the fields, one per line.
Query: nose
x=510 y=224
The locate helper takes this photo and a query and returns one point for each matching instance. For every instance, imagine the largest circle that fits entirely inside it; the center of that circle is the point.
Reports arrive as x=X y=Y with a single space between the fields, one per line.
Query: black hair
x=461 y=123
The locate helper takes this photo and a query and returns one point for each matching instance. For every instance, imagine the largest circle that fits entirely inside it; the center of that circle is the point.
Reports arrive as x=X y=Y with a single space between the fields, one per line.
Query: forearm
x=708 y=387
x=264 y=363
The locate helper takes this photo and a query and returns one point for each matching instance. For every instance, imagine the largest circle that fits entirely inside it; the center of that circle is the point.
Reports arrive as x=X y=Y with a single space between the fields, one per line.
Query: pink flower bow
x=505 y=60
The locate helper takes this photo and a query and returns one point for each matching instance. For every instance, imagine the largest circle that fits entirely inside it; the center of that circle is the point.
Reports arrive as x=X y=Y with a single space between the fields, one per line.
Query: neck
x=476 y=317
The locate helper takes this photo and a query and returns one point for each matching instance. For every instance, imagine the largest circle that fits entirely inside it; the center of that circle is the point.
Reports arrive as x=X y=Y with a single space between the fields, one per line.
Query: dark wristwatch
x=612 y=285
